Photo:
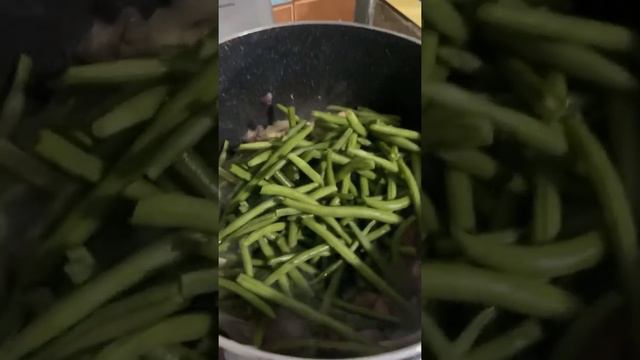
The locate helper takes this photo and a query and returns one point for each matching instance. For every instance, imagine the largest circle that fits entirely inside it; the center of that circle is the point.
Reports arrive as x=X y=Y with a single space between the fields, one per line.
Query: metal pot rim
x=333 y=23
x=249 y=352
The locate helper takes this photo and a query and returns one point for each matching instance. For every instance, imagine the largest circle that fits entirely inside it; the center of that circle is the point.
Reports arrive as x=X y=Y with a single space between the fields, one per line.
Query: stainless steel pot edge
x=410 y=352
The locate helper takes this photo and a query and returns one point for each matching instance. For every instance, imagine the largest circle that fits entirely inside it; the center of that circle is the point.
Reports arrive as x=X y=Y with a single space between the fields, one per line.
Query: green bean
x=558 y=259
x=13 y=105
x=358 y=164
x=333 y=346
x=526 y=129
x=509 y=344
x=301 y=282
x=340 y=159
x=378 y=233
x=395 y=131
x=259 y=158
x=355 y=123
x=293 y=263
x=412 y=185
x=283 y=179
x=400 y=235
x=383 y=163
x=197 y=173
x=254 y=224
x=307 y=187
x=173 y=352
x=358 y=212
x=119 y=71
x=287 y=146
x=392 y=189
x=68 y=311
x=472 y=332
x=285 y=285
x=370 y=248
x=184 y=138
x=332 y=289
x=256 y=145
x=303 y=310
x=455 y=131
x=305 y=168
x=616 y=208
x=253 y=237
x=30 y=169
x=291 y=115
x=113 y=329
x=435 y=338
x=330 y=118
x=323 y=192
x=133 y=111
x=549 y=24
x=293 y=234
x=460 y=200
x=516 y=293
x=342 y=140
x=352 y=142
x=245 y=218
x=248 y=296
x=222 y=158
x=351 y=258
x=72 y=159
x=201 y=88
x=547 y=211
x=577 y=61
x=173 y=330
x=403 y=143
x=580 y=332
x=199 y=282
x=444 y=18
x=267 y=250
x=359 y=310
x=388 y=205
x=285 y=192
x=532 y=89
x=459 y=59
x=176 y=210
x=76 y=338
x=80 y=265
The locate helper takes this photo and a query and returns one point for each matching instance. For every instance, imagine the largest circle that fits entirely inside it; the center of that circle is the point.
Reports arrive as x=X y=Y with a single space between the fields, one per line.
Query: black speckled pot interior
x=311 y=65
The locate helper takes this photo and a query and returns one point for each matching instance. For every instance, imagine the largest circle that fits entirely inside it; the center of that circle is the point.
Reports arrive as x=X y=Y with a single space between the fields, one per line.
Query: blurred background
x=237 y=16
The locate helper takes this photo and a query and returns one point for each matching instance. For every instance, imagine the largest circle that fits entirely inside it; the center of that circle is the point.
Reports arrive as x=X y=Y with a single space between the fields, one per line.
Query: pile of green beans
x=120 y=251
x=516 y=172
x=316 y=218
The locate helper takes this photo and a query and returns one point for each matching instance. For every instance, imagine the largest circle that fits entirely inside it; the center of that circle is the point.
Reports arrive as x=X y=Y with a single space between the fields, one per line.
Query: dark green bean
x=547 y=211
x=557 y=259
x=135 y=110
x=517 y=293
x=248 y=296
x=526 y=129
x=184 y=138
x=549 y=24
x=72 y=159
x=174 y=330
x=509 y=344
x=13 y=105
x=354 y=260
x=358 y=212
x=306 y=311
x=460 y=200
x=89 y=297
x=176 y=210
x=444 y=18
x=120 y=71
